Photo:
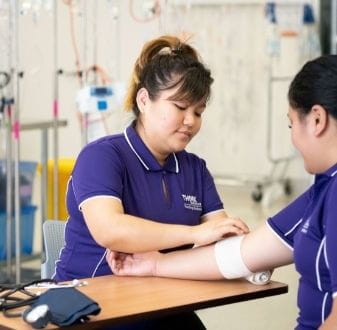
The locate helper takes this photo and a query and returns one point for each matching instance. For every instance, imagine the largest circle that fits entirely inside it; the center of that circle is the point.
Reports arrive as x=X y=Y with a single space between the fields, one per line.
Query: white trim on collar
x=140 y=159
x=133 y=149
x=177 y=164
x=333 y=173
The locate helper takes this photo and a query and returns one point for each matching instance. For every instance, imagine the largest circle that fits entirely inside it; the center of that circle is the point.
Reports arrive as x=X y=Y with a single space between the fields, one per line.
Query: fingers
x=238 y=223
x=110 y=258
x=117 y=261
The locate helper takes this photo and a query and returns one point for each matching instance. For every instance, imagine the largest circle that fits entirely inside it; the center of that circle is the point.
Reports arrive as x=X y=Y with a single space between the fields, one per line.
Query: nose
x=189 y=119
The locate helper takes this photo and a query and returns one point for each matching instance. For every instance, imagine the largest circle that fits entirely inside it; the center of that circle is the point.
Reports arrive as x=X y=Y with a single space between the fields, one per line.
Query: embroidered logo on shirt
x=306 y=226
x=191 y=203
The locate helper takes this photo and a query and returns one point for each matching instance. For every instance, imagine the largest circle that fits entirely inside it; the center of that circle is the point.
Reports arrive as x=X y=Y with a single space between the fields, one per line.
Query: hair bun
x=177 y=51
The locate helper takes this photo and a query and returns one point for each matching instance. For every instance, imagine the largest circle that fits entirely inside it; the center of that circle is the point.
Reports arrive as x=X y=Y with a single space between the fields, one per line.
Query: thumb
x=110 y=256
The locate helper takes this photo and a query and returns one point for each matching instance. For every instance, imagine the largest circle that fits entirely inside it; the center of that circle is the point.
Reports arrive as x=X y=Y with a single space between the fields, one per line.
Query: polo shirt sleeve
x=286 y=223
x=98 y=172
x=331 y=236
x=211 y=201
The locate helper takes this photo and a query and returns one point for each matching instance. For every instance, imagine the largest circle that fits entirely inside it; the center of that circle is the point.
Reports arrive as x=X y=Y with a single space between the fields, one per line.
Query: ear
x=142 y=99
x=319 y=119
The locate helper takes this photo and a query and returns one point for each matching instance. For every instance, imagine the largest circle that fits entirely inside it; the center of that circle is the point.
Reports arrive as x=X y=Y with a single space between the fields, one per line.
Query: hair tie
x=165 y=51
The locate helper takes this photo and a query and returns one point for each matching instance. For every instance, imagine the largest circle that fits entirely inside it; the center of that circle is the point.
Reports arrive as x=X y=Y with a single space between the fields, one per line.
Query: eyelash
x=182 y=109
x=179 y=107
x=290 y=126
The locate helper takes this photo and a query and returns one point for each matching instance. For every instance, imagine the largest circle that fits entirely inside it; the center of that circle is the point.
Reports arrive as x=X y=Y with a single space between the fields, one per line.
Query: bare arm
x=115 y=230
x=260 y=250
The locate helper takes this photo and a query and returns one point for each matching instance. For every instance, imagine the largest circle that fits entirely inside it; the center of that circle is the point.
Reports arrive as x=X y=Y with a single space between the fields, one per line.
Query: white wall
x=232 y=40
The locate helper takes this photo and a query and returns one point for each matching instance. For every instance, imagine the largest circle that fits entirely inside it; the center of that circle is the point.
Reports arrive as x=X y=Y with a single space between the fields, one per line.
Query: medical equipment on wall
x=95 y=103
x=145 y=10
x=10 y=99
x=292 y=20
x=7 y=20
x=35 y=6
x=98 y=94
x=12 y=12
x=55 y=112
x=273 y=38
x=310 y=45
x=93 y=99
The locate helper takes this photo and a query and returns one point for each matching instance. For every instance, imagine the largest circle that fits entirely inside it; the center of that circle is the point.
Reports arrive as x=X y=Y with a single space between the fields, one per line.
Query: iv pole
x=9 y=174
x=85 y=116
x=16 y=137
x=55 y=115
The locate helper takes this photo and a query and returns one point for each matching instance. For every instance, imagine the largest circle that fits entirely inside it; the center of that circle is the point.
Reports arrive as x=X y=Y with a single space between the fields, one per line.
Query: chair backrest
x=53 y=236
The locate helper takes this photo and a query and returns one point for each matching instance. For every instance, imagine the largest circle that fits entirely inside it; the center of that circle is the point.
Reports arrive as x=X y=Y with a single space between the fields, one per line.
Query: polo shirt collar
x=145 y=156
x=332 y=171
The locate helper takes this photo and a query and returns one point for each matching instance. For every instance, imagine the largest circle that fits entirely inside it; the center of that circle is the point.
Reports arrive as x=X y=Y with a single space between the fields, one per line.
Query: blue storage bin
x=27 y=220
x=27 y=174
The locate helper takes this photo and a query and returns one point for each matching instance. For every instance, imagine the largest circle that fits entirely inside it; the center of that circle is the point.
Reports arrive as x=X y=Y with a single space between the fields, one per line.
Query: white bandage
x=260 y=278
x=229 y=260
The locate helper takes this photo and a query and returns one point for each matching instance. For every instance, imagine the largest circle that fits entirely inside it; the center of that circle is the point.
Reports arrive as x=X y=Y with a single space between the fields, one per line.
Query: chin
x=310 y=169
x=179 y=147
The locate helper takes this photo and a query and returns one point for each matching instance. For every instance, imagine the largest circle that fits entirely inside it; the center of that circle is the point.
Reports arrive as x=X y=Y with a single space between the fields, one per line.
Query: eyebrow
x=201 y=106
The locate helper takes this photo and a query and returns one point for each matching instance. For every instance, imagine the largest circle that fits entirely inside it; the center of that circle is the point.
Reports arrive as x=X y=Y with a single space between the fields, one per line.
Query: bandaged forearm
x=231 y=265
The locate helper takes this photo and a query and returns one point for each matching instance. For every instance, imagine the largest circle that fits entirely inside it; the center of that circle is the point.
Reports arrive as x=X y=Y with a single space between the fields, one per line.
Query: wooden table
x=126 y=299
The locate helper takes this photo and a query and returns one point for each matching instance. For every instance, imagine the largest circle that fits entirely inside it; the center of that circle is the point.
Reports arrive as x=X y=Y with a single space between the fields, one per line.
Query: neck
x=328 y=157
x=159 y=156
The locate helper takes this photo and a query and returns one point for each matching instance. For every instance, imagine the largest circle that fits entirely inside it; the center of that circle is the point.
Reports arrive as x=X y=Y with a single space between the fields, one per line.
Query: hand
x=216 y=229
x=138 y=264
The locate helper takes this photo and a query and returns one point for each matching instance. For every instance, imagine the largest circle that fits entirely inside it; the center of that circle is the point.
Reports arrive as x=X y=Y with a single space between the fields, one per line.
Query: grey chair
x=53 y=237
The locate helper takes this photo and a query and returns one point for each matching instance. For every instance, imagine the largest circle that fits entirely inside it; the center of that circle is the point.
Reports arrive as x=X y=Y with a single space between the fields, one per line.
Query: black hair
x=315 y=84
x=165 y=63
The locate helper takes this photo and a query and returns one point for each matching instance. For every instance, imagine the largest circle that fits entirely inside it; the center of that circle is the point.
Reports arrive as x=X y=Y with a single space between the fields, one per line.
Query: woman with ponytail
x=140 y=190
x=303 y=233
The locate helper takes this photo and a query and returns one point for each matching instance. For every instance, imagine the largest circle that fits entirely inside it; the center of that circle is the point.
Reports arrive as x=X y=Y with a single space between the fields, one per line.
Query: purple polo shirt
x=308 y=226
x=122 y=167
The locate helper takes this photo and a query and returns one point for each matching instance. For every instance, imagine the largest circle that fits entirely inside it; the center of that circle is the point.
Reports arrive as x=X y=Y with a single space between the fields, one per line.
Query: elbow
x=105 y=232
x=106 y=239
x=112 y=240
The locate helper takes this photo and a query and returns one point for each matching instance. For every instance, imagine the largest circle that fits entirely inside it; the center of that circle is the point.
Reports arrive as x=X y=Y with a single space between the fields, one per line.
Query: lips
x=186 y=134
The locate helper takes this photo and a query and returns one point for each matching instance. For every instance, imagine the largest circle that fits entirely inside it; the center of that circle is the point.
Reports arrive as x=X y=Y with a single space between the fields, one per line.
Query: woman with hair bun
x=140 y=190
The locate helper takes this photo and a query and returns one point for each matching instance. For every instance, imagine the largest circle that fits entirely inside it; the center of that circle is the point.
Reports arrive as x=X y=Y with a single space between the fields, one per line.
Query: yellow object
x=65 y=167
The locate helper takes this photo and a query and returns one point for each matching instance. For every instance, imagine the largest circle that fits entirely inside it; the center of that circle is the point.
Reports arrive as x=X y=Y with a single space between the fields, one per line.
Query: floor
x=273 y=313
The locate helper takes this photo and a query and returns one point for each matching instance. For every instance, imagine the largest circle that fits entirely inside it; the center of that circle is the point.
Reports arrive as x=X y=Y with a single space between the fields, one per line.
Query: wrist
x=157 y=269
x=193 y=230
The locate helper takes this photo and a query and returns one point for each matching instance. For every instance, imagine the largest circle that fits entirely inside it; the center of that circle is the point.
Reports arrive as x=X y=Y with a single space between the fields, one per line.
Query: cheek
x=169 y=119
x=292 y=137
x=295 y=139
x=159 y=119
x=198 y=125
